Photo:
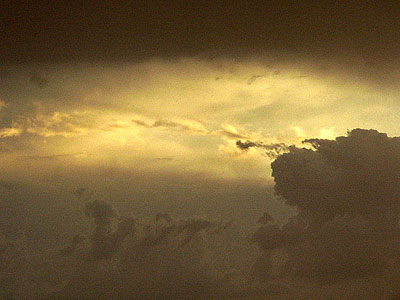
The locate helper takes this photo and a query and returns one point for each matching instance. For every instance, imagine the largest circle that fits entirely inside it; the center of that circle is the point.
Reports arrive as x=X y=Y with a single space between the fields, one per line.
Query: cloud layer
x=187 y=108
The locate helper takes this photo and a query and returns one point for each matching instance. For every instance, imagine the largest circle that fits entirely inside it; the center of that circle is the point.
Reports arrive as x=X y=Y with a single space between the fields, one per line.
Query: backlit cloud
x=176 y=106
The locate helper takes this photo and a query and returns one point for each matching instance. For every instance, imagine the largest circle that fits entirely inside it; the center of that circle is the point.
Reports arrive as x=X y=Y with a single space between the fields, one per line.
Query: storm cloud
x=356 y=174
x=346 y=195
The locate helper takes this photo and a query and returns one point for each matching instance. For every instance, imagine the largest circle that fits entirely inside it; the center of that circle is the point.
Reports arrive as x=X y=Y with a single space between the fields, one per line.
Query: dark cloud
x=272 y=150
x=70 y=256
x=345 y=191
x=160 y=256
x=269 y=237
x=339 y=235
x=347 y=175
x=159 y=260
x=215 y=29
x=141 y=123
x=343 y=248
x=101 y=212
x=248 y=144
x=105 y=242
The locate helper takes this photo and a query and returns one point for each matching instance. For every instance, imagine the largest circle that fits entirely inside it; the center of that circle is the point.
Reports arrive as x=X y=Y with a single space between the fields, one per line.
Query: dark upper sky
x=65 y=31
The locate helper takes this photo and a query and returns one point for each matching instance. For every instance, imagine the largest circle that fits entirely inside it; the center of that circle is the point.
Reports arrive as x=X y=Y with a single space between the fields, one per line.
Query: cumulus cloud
x=346 y=193
x=352 y=174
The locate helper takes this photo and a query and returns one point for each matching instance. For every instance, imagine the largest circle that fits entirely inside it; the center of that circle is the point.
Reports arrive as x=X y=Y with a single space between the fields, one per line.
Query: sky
x=177 y=84
x=141 y=104
x=183 y=114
